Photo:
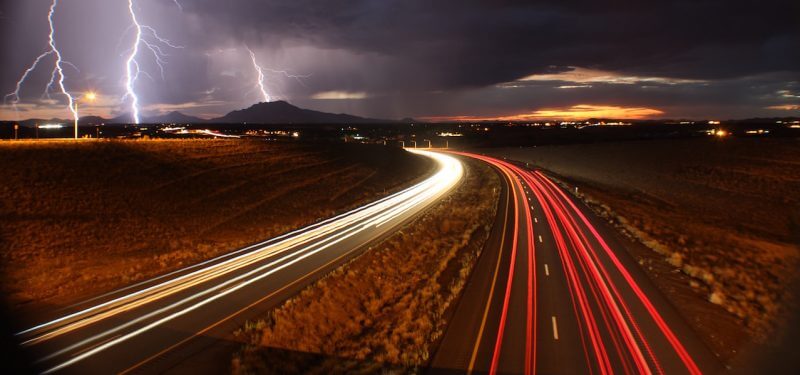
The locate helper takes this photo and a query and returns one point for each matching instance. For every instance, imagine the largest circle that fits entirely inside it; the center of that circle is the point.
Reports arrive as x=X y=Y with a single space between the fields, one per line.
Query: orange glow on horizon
x=786 y=107
x=576 y=112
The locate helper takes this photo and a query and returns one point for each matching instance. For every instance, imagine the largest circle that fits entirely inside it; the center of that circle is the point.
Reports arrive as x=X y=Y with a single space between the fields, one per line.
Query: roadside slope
x=82 y=218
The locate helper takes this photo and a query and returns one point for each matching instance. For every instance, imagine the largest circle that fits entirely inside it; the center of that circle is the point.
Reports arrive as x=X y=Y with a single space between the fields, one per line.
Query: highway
x=555 y=292
x=154 y=325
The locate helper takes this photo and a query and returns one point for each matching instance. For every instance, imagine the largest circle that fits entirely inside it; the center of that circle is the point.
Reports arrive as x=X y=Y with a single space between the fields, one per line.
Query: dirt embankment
x=80 y=218
x=386 y=307
x=725 y=212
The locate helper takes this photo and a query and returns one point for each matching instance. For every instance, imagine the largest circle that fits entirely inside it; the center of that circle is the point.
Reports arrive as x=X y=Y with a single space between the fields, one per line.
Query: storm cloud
x=424 y=59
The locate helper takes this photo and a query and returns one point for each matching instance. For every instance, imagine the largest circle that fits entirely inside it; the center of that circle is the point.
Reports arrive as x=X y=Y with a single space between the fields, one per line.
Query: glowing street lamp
x=90 y=96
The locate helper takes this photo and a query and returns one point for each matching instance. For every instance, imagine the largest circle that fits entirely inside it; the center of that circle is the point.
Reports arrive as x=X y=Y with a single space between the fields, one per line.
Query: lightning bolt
x=286 y=74
x=261 y=77
x=56 y=77
x=146 y=37
x=15 y=95
x=58 y=70
x=260 y=72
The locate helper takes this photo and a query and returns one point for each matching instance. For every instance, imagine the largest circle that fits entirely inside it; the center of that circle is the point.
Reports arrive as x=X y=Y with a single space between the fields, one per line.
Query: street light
x=90 y=97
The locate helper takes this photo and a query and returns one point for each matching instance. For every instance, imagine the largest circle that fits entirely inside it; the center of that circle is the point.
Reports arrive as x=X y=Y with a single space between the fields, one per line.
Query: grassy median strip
x=386 y=307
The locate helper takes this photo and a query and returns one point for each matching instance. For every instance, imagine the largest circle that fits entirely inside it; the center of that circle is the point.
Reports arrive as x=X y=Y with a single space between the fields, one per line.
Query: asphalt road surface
x=554 y=292
x=155 y=325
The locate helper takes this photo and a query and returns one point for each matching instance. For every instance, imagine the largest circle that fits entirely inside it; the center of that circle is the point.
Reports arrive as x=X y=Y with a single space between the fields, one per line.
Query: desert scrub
x=81 y=218
x=385 y=308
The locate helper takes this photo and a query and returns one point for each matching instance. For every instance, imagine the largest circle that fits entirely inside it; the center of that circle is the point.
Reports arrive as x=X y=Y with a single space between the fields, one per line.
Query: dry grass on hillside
x=79 y=218
x=385 y=308
x=724 y=211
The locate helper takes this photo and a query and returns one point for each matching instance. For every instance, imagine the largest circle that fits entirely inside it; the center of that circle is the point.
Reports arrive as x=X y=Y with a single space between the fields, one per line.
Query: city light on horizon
x=577 y=112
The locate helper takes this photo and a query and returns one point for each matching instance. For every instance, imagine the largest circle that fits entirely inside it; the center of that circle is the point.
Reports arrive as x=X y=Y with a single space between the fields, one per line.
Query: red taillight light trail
x=600 y=288
x=605 y=274
x=530 y=349
x=507 y=296
x=676 y=344
x=530 y=316
x=598 y=285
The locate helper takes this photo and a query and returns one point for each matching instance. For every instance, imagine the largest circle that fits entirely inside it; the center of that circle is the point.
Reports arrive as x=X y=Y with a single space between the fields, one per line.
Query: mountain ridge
x=281 y=112
x=277 y=112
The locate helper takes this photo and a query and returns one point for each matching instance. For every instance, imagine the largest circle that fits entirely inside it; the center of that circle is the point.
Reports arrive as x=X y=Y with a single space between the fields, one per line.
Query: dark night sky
x=392 y=59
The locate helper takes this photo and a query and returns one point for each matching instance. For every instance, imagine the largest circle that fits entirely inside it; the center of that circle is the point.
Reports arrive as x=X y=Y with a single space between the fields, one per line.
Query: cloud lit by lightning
x=144 y=37
x=56 y=77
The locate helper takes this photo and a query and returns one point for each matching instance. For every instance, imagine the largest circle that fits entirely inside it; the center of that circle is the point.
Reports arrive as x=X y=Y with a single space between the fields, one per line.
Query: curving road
x=155 y=324
x=555 y=292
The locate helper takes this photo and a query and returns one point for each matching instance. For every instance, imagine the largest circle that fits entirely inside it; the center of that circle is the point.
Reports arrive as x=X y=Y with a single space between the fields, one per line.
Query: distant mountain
x=91 y=120
x=168 y=118
x=125 y=118
x=281 y=112
x=174 y=117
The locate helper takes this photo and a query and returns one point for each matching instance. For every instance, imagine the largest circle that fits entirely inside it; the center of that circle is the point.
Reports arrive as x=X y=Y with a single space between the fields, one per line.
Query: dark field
x=80 y=218
x=725 y=212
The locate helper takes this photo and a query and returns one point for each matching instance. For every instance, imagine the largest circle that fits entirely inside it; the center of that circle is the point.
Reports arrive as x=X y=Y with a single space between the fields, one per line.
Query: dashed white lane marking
x=555 y=329
x=540 y=238
x=535 y=220
x=546 y=270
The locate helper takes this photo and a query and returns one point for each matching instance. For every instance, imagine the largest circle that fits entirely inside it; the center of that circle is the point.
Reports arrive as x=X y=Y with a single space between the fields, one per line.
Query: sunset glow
x=576 y=112
x=786 y=107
